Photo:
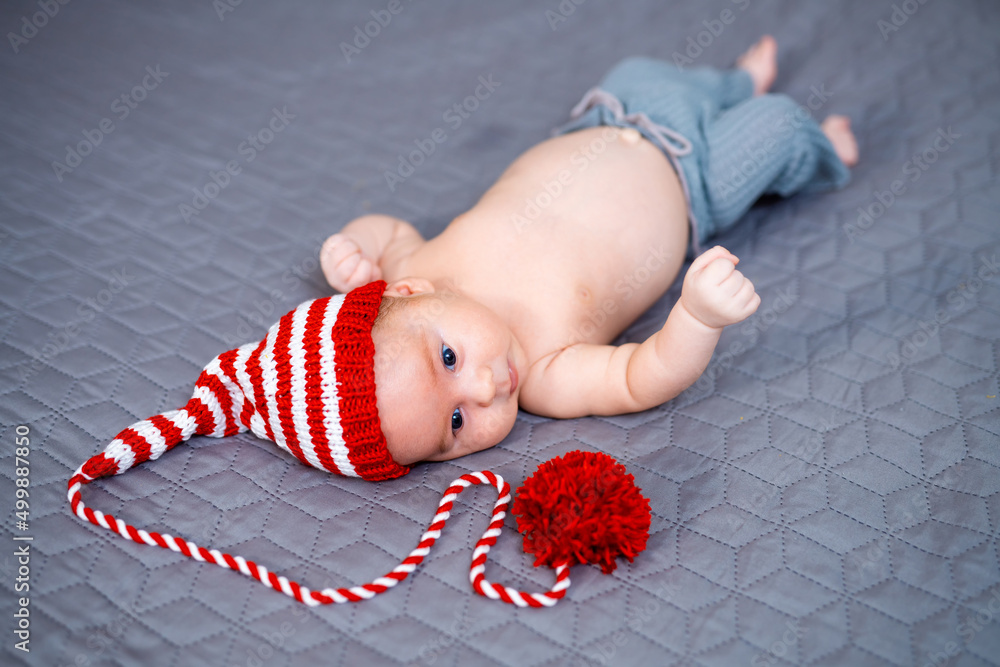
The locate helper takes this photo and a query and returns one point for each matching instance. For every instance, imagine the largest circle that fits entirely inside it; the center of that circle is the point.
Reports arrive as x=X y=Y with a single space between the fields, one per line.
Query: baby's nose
x=484 y=390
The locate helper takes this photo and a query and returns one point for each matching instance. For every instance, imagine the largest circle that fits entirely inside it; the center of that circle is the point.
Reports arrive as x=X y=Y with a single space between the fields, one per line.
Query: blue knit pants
x=728 y=146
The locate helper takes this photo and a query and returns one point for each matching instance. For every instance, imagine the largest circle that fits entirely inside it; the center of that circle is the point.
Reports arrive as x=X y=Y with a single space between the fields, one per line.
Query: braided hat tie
x=594 y=519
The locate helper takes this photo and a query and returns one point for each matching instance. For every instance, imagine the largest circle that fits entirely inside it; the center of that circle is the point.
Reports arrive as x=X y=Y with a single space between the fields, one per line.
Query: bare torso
x=578 y=237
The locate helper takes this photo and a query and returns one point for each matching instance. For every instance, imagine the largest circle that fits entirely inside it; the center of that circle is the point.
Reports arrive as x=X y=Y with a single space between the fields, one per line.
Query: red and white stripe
x=333 y=445
x=283 y=388
x=354 y=593
x=267 y=385
x=249 y=416
x=297 y=411
x=489 y=538
x=307 y=423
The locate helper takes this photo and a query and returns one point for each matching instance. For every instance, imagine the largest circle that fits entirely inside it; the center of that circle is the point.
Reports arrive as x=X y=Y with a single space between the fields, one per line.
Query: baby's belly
x=604 y=213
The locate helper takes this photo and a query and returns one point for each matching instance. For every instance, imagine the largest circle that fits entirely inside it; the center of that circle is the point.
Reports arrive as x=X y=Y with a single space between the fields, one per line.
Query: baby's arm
x=606 y=380
x=366 y=249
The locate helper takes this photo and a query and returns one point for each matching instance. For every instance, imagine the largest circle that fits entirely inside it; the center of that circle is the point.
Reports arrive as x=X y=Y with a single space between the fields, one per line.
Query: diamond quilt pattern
x=827 y=494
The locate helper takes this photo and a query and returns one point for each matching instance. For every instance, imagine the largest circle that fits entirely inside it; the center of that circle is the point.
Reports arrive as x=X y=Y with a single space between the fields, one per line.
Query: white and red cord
x=355 y=593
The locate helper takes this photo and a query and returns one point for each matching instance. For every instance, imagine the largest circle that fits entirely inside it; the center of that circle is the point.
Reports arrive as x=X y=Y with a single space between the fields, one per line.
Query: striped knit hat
x=309 y=386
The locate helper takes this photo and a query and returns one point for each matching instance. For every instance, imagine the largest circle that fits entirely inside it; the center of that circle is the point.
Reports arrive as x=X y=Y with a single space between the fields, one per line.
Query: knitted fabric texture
x=309 y=386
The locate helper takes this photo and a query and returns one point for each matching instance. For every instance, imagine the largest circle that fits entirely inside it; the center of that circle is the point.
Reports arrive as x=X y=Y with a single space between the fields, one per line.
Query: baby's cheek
x=505 y=422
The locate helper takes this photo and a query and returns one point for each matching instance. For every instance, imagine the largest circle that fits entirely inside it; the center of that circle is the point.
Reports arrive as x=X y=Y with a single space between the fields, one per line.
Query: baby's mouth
x=513 y=377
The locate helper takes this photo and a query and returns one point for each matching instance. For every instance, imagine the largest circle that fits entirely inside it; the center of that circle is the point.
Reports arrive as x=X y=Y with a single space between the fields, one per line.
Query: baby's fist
x=345 y=265
x=715 y=293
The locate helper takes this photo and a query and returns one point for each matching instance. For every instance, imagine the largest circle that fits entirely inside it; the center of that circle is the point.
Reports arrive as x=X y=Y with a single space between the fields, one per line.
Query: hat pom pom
x=582 y=508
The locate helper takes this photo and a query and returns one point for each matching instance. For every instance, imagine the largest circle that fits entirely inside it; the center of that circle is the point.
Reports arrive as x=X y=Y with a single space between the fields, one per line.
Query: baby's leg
x=728 y=87
x=765 y=145
x=666 y=87
x=838 y=130
x=650 y=84
x=761 y=63
x=724 y=88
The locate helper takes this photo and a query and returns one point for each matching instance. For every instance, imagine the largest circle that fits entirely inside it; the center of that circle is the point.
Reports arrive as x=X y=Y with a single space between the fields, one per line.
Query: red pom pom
x=582 y=508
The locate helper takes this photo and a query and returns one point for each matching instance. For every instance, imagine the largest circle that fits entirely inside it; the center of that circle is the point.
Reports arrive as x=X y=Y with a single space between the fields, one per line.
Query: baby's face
x=447 y=378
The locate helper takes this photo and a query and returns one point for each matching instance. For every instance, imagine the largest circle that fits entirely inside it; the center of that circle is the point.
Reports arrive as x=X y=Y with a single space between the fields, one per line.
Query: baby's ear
x=409 y=287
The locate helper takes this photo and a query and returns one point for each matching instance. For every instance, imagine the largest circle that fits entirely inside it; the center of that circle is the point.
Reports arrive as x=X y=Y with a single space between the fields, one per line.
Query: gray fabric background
x=828 y=495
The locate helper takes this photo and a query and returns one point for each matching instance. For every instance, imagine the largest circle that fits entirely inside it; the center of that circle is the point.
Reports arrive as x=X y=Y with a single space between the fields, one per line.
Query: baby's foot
x=838 y=130
x=761 y=62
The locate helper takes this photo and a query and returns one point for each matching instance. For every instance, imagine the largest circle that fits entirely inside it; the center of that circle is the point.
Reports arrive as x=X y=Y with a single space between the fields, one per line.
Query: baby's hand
x=345 y=265
x=715 y=293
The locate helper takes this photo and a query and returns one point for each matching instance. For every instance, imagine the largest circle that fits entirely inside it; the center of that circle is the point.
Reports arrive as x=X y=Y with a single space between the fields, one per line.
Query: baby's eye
x=456 y=420
x=449 y=358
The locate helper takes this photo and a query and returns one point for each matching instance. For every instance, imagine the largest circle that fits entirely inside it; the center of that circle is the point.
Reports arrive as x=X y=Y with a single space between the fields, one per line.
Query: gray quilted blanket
x=828 y=493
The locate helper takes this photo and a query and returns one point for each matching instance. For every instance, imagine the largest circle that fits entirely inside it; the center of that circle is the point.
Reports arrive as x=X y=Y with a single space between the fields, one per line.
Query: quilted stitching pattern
x=827 y=495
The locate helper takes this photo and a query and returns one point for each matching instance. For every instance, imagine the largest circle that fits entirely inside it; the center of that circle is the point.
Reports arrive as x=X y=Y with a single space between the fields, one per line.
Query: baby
x=515 y=303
